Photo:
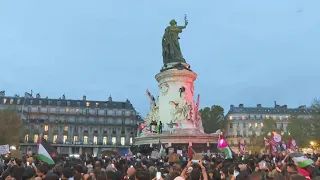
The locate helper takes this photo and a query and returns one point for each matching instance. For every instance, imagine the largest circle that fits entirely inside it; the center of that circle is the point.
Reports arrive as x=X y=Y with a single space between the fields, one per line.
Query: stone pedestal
x=170 y=95
x=175 y=105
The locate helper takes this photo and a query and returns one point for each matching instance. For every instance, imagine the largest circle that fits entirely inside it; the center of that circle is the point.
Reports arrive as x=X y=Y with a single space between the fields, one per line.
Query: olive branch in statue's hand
x=185 y=20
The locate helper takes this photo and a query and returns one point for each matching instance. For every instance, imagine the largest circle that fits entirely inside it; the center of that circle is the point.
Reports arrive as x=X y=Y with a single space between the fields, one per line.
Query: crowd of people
x=213 y=167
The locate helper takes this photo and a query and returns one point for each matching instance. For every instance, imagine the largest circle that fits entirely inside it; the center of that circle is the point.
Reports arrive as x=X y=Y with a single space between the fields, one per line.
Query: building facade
x=75 y=126
x=242 y=122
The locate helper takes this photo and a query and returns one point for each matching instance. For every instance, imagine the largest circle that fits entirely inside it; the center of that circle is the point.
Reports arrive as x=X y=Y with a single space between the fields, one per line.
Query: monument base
x=179 y=136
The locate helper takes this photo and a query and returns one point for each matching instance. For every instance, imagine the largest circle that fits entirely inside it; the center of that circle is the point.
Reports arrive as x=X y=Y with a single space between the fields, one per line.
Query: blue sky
x=244 y=51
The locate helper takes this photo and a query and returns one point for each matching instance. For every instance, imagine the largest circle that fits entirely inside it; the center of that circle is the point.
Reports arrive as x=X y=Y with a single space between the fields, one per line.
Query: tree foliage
x=11 y=127
x=316 y=120
x=300 y=129
x=212 y=118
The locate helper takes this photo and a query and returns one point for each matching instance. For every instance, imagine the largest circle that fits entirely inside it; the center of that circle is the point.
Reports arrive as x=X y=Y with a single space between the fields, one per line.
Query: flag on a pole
x=242 y=148
x=223 y=146
x=292 y=144
x=162 y=151
x=275 y=139
x=46 y=152
x=266 y=142
x=191 y=152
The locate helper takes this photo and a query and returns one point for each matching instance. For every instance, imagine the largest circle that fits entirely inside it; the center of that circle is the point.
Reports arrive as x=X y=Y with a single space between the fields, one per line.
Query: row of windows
x=68 y=103
x=70 y=120
x=86 y=111
x=76 y=139
x=249 y=133
x=258 y=117
x=83 y=129
x=249 y=125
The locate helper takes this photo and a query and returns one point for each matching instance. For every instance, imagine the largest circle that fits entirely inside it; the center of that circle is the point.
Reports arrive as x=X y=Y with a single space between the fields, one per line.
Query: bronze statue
x=171 y=51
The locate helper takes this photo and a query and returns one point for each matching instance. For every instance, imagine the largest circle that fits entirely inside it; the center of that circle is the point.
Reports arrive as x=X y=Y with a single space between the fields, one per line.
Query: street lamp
x=311 y=143
x=13 y=148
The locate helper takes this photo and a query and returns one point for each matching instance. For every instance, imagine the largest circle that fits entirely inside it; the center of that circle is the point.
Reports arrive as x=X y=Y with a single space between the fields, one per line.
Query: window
x=274 y=117
x=123 y=121
x=123 y=113
x=46 y=127
x=11 y=101
x=68 y=103
x=106 y=112
x=97 y=105
x=55 y=137
x=131 y=140
x=29 y=109
x=75 y=139
x=97 y=111
x=230 y=125
x=244 y=125
x=104 y=140
x=45 y=137
x=114 y=130
x=245 y=133
x=87 y=111
x=230 y=117
x=65 y=138
x=40 y=102
x=85 y=139
x=261 y=124
x=77 y=111
x=4 y=100
x=58 y=103
x=85 y=129
x=65 y=128
x=48 y=109
x=39 y=109
x=123 y=141
x=114 y=140
x=238 y=133
x=267 y=116
x=250 y=124
x=88 y=104
x=18 y=101
x=57 y=110
x=280 y=117
x=31 y=101
x=35 y=138
x=26 y=138
x=255 y=124
x=67 y=110
x=95 y=140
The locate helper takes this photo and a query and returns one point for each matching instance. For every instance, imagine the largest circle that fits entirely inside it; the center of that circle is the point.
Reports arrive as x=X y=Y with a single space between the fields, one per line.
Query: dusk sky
x=244 y=51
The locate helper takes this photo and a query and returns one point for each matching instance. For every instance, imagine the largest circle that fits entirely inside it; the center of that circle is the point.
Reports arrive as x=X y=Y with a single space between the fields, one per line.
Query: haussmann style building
x=246 y=121
x=75 y=126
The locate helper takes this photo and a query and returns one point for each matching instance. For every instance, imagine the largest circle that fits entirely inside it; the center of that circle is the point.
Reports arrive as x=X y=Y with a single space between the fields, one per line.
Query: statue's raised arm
x=171 y=51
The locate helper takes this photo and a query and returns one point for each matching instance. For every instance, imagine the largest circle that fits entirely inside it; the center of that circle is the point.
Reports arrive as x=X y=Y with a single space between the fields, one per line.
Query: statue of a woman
x=171 y=51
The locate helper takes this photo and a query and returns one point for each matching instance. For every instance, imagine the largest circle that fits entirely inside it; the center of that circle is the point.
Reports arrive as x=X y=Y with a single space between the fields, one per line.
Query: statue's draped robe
x=171 y=51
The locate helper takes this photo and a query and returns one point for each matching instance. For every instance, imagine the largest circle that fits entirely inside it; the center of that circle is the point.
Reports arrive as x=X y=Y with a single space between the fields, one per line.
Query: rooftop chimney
x=285 y=106
x=259 y=105
x=241 y=105
x=84 y=97
x=231 y=106
x=302 y=107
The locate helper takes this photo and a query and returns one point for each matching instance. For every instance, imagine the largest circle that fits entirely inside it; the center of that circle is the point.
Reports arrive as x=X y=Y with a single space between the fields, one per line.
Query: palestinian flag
x=223 y=146
x=46 y=152
x=300 y=160
x=191 y=152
